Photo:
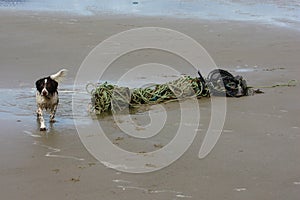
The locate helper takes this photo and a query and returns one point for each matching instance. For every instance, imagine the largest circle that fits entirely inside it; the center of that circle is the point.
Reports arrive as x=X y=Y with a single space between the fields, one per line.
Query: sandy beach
x=256 y=157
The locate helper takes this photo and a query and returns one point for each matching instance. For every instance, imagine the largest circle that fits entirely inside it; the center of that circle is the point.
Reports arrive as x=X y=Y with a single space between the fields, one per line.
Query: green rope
x=108 y=97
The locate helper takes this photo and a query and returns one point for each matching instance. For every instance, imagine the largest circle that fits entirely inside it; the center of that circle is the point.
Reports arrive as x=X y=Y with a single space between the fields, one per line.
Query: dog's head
x=46 y=86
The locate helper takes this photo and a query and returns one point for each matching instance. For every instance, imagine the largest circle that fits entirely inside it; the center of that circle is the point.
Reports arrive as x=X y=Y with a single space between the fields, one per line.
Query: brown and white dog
x=47 y=96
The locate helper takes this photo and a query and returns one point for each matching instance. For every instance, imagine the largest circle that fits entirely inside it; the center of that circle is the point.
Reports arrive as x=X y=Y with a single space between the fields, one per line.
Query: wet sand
x=257 y=156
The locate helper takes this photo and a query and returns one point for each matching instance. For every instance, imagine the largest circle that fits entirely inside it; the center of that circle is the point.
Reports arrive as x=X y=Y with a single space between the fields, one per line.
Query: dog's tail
x=59 y=76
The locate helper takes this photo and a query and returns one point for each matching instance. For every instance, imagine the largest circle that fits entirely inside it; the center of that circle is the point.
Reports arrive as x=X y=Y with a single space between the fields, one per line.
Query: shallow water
x=19 y=104
x=279 y=12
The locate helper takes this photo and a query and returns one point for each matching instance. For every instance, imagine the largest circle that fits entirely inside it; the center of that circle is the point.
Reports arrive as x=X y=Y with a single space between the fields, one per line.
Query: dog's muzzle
x=44 y=92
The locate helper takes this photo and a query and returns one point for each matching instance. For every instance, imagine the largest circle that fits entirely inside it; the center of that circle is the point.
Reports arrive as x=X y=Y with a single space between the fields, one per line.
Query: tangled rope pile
x=107 y=97
x=112 y=98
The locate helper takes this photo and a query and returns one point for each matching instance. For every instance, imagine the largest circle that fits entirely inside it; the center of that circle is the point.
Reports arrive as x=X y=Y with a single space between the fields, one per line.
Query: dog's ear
x=39 y=84
x=52 y=86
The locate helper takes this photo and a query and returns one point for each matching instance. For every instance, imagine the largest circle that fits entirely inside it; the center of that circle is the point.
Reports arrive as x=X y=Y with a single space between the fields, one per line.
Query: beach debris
x=258 y=91
x=222 y=82
x=159 y=146
x=142 y=152
x=81 y=167
x=150 y=165
x=119 y=138
x=107 y=97
x=91 y=164
x=290 y=83
x=75 y=179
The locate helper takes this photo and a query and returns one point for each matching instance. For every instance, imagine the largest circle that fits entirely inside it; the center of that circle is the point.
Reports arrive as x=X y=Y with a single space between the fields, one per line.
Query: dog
x=47 y=96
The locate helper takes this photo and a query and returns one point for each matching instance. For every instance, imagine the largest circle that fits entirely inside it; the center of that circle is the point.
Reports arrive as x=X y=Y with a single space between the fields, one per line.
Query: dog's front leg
x=52 y=114
x=41 y=119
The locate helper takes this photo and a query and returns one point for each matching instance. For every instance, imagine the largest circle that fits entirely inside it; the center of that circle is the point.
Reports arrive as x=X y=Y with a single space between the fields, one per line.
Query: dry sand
x=257 y=156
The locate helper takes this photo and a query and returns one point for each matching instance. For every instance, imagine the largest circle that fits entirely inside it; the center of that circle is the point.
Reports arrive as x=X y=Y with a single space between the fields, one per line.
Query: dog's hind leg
x=52 y=114
x=41 y=119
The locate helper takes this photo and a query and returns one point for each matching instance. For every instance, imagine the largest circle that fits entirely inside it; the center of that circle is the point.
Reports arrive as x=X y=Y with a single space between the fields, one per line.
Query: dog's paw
x=43 y=129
